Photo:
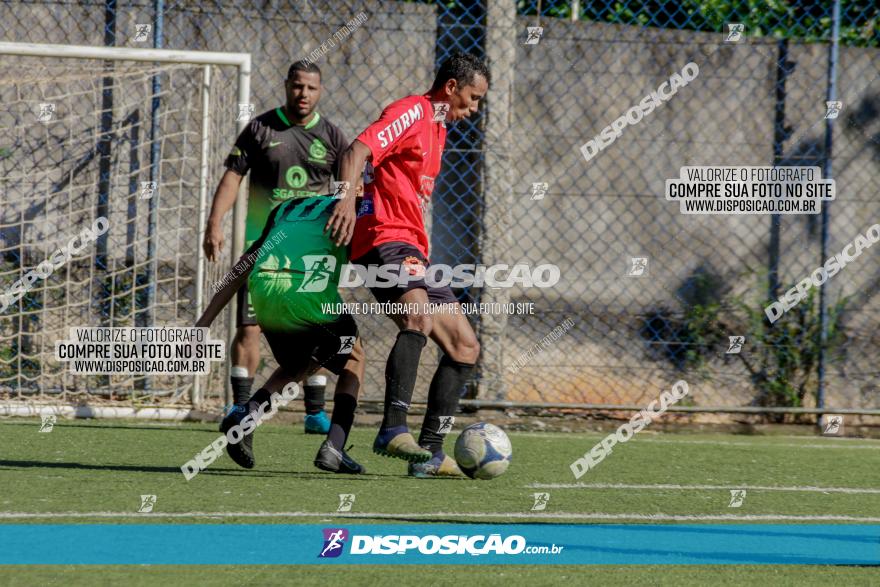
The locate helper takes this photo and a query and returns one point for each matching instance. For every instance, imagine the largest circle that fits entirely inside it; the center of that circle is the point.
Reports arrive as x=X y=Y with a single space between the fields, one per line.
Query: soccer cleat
x=440 y=465
x=243 y=451
x=330 y=458
x=400 y=444
x=317 y=423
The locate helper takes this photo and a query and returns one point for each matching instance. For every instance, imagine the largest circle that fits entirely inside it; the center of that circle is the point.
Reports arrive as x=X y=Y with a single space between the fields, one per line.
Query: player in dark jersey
x=405 y=147
x=290 y=152
x=293 y=270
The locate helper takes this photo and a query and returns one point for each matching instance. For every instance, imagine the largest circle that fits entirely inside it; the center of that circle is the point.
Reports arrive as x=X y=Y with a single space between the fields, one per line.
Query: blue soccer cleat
x=317 y=423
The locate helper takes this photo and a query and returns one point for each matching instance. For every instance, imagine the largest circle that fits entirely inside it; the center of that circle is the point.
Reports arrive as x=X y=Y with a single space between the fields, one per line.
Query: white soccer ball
x=483 y=451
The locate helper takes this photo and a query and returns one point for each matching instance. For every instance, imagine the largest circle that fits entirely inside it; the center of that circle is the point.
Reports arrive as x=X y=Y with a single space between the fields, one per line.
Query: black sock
x=241 y=389
x=313 y=394
x=443 y=396
x=342 y=419
x=400 y=376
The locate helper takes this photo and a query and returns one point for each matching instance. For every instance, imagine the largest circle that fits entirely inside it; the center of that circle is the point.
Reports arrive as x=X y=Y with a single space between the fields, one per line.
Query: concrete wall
x=598 y=214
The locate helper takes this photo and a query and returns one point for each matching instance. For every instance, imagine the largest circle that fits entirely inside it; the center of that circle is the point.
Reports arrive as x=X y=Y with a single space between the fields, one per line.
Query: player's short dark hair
x=306 y=66
x=462 y=67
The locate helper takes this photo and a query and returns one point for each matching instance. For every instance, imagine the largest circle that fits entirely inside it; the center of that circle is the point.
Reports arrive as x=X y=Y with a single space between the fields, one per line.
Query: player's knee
x=466 y=350
x=420 y=322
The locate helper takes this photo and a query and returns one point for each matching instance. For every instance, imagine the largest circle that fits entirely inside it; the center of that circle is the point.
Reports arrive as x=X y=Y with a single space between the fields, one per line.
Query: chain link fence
x=646 y=294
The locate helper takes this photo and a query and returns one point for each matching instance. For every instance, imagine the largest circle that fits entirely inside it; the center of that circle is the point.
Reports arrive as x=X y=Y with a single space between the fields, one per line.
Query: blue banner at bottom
x=208 y=544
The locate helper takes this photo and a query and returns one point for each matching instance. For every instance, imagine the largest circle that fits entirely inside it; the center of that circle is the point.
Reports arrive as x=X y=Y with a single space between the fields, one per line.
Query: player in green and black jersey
x=294 y=270
x=290 y=152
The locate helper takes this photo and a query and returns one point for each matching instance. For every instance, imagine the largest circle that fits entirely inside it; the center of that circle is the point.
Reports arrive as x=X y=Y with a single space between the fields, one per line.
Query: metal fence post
x=781 y=133
x=498 y=195
x=155 y=148
x=829 y=140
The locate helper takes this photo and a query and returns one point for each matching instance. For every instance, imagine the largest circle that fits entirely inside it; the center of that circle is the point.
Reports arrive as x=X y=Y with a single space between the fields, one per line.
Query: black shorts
x=244 y=314
x=411 y=256
x=329 y=345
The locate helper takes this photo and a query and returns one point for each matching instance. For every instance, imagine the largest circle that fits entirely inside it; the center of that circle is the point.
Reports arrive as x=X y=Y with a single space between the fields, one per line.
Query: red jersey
x=407 y=146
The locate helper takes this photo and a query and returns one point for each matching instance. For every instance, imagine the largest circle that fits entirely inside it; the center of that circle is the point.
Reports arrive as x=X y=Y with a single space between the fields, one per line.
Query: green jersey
x=285 y=161
x=297 y=269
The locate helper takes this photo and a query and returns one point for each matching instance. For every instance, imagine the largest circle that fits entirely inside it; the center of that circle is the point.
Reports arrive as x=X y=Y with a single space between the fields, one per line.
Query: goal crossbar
x=240 y=60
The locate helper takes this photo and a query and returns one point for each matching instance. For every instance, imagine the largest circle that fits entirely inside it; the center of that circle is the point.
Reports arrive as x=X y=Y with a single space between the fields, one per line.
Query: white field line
x=447 y=515
x=713 y=442
x=831 y=443
x=808 y=488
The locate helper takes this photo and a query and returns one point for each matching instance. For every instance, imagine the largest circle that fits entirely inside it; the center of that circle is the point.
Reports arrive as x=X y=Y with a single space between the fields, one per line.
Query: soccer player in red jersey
x=404 y=147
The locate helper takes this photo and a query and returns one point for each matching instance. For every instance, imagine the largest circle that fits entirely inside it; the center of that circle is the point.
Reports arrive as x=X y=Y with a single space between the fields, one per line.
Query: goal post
x=62 y=165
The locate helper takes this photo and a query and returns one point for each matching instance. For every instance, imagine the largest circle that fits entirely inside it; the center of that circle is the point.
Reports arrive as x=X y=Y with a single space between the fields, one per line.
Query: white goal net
x=131 y=151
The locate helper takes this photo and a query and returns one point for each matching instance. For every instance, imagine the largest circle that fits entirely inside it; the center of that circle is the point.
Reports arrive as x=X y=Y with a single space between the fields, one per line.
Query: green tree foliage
x=804 y=20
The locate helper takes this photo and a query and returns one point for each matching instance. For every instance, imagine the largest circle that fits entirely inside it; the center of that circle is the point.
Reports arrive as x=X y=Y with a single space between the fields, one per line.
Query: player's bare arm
x=341 y=223
x=240 y=273
x=224 y=199
x=242 y=270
